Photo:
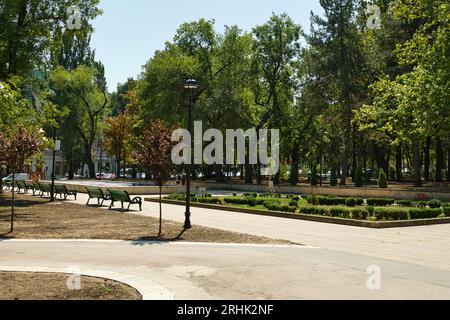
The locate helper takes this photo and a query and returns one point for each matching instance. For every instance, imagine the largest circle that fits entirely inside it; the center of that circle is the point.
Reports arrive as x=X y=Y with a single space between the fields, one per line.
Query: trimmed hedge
x=446 y=211
x=334 y=201
x=340 y=212
x=251 y=194
x=390 y=214
x=353 y=202
x=274 y=206
x=380 y=202
x=319 y=211
x=210 y=200
x=360 y=213
x=244 y=201
x=293 y=203
x=425 y=213
x=405 y=203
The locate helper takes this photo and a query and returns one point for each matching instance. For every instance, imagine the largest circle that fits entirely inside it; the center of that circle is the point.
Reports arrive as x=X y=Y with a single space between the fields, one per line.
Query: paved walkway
x=426 y=246
x=414 y=262
x=214 y=271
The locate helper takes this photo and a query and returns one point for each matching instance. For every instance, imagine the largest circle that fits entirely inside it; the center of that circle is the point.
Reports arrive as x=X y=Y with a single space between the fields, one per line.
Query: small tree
x=155 y=151
x=359 y=177
x=117 y=137
x=16 y=150
x=382 y=180
x=314 y=174
x=334 y=177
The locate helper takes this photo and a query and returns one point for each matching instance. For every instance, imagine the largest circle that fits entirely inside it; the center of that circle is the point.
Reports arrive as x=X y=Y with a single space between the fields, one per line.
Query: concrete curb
x=139 y=243
x=298 y=216
x=146 y=288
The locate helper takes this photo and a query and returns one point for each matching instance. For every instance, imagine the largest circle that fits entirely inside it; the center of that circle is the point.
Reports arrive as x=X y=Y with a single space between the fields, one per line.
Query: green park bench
x=64 y=192
x=45 y=188
x=8 y=184
x=37 y=189
x=97 y=193
x=25 y=186
x=124 y=197
x=20 y=185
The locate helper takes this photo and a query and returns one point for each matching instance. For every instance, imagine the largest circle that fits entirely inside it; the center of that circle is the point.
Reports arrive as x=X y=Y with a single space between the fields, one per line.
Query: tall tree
x=26 y=29
x=86 y=89
x=336 y=47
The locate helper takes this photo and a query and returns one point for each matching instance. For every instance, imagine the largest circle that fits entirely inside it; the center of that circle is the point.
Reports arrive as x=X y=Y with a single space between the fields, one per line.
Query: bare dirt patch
x=38 y=219
x=49 y=286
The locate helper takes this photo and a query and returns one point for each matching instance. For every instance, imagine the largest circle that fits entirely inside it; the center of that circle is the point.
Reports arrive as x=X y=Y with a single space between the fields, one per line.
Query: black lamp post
x=321 y=132
x=191 y=86
x=56 y=148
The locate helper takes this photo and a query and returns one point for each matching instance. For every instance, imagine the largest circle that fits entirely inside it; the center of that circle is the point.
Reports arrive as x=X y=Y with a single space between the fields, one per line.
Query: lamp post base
x=187 y=222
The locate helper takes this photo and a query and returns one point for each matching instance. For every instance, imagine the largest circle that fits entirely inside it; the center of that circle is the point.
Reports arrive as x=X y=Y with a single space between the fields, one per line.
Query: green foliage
x=380 y=202
x=353 y=202
x=382 y=179
x=314 y=181
x=359 y=213
x=425 y=213
x=334 y=177
x=359 y=177
x=340 y=212
x=251 y=194
x=389 y=214
x=274 y=206
x=446 y=211
x=319 y=211
x=405 y=203
x=434 y=204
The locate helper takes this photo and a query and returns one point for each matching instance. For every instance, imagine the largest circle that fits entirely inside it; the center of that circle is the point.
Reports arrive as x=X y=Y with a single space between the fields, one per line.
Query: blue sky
x=128 y=33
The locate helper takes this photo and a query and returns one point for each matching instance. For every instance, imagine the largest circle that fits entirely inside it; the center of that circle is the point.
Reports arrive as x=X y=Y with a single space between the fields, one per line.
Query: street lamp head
x=191 y=85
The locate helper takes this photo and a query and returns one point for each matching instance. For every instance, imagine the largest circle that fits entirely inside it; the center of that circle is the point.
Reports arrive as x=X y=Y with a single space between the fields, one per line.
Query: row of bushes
x=374 y=202
x=277 y=206
x=378 y=214
x=334 y=201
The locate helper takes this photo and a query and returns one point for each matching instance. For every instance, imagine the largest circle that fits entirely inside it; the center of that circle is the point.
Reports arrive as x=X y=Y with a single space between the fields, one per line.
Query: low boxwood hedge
x=405 y=203
x=274 y=206
x=210 y=200
x=353 y=202
x=390 y=214
x=311 y=210
x=340 y=212
x=425 y=213
x=360 y=213
x=380 y=202
x=446 y=211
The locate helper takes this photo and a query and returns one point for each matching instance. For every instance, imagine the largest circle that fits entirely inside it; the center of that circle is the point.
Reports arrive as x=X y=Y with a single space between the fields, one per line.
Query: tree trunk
x=417 y=164
x=1 y=180
x=426 y=159
x=248 y=174
x=448 y=164
x=293 y=179
x=398 y=164
x=160 y=211
x=219 y=173
x=347 y=143
x=13 y=202
x=89 y=162
x=440 y=159
x=118 y=167
x=71 y=170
